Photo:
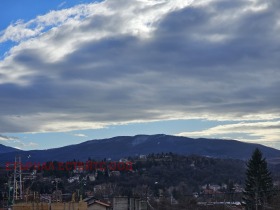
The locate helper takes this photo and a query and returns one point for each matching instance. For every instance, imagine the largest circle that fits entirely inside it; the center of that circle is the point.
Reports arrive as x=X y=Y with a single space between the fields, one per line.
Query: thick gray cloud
x=7 y=138
x=167 y=60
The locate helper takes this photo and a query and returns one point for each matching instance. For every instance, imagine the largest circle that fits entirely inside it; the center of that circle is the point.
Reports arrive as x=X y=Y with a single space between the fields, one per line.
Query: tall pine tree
x=258 y=184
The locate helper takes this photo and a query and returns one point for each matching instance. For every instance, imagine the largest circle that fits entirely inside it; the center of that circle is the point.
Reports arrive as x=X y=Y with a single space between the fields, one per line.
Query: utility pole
x=17 y=194
x=10 y=189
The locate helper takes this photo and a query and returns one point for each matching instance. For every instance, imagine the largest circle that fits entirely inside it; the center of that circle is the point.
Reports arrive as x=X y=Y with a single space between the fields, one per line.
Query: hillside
x=124 y=146
x=6 y=149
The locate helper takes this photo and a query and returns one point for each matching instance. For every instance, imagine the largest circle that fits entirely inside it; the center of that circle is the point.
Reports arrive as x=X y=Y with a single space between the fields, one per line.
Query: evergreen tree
x=258 y=184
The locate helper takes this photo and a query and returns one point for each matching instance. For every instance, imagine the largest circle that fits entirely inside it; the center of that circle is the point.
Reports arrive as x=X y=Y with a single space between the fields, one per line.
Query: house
x=98 y=205
x=78 y=169
x=224 y=186
x=90 y=199
x=131 y=203
x=94 y=204
x=208 y=191
x=91 y=177
x=238 y=188
x=213 y=187
x=143 y=157
x=123 y=160
x=193 y=164
x=73 y=179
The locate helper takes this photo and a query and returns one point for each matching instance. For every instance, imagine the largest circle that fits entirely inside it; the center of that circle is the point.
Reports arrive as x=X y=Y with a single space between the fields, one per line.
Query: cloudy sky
x=77 y=70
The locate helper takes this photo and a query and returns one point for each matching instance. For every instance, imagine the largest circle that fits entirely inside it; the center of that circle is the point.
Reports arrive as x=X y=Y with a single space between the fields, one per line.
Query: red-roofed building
x=95 y=204
x=98 y=205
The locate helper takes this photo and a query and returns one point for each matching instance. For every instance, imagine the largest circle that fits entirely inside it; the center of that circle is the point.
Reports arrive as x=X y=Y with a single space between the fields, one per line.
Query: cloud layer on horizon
x=134 y=61
x=257 y=132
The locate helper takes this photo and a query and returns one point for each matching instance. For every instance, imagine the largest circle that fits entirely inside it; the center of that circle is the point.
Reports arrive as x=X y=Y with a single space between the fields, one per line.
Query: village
x=104 y=188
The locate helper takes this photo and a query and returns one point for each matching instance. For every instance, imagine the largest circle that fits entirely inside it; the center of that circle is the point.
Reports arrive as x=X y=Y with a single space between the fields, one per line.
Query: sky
x=72 y=71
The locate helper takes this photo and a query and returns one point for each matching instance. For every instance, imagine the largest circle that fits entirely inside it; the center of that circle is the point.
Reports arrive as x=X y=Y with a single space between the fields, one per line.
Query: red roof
x=100 y=203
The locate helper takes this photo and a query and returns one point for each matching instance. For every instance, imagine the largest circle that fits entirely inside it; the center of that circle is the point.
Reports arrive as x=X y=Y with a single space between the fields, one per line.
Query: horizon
x=101 y=139
x=77 y=70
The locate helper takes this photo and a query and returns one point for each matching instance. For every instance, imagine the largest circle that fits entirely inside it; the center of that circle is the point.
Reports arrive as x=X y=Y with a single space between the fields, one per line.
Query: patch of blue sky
x=47 y=28
x=13 y=10
x=5 y=47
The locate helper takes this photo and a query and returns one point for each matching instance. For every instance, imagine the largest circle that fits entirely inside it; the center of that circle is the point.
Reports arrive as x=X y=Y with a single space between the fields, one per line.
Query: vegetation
x=258 y=185
x=167 y=180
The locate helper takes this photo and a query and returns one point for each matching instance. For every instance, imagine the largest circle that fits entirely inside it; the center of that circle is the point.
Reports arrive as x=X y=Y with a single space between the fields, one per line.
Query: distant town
x=155 y=181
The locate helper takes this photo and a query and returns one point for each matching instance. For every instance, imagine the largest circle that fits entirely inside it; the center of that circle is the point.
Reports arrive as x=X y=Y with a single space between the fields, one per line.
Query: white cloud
x=94 y=65
x=80 y=135
x=263 y=132
x=22 y=145
x=20 y=30
x=8 y=138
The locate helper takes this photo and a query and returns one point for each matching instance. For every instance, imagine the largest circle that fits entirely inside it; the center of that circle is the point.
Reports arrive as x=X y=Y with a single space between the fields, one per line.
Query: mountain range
x=124 y=146
x=6 y=149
